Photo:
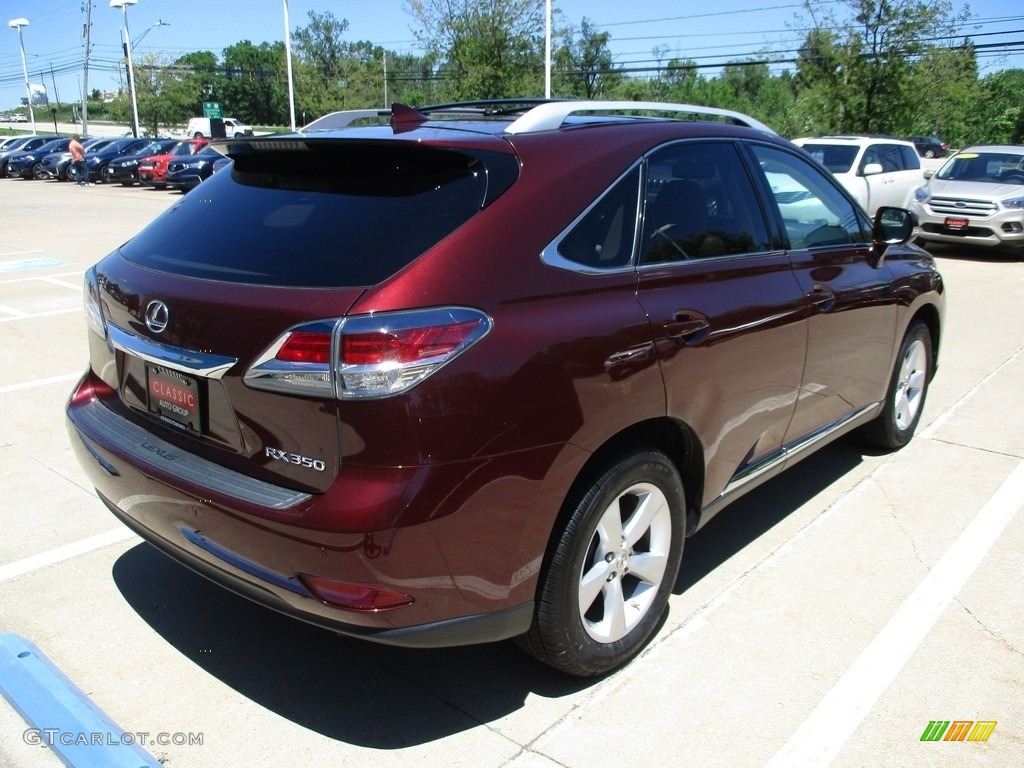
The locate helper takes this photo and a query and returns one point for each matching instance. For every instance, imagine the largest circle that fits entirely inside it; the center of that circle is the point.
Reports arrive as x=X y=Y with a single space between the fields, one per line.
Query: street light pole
x=18 y=24
x=159 y=23
x=123 y=5
x=547 y=50
x=288 y=64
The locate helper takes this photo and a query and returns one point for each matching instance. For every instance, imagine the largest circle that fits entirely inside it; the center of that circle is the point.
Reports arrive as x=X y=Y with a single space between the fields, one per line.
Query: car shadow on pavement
x=391 y=698
x=354 y=691
x=747 y=518
x=969 y=253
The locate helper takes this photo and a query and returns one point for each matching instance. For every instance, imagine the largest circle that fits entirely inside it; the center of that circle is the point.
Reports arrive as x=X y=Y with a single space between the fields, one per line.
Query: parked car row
x=183 y=167
x=15 y=144
x=976 y=198
x=159 y=163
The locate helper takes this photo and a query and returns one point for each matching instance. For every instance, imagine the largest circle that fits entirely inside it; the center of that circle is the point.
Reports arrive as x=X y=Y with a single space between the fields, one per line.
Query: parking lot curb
x=61 y=716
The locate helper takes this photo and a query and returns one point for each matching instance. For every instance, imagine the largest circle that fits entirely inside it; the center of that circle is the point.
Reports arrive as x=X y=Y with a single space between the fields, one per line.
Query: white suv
x=876 y=171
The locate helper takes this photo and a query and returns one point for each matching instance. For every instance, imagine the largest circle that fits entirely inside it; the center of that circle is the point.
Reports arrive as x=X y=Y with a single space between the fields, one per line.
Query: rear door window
x=700 y=203
x=886 y=155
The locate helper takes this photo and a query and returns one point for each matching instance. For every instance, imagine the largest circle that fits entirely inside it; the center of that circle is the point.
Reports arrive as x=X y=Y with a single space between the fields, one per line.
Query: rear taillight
x=93 y=306
x=306 y=347
x=367 y=356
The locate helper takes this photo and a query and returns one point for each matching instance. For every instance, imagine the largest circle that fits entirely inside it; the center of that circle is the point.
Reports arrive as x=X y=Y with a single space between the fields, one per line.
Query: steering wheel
x=662 y=232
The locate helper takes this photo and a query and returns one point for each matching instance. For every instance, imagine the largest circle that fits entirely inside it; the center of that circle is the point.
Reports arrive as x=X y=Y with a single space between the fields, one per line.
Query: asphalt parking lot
x=828 y=618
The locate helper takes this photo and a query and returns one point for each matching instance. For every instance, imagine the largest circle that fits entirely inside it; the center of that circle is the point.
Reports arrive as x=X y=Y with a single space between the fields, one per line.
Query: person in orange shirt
x=78 y=158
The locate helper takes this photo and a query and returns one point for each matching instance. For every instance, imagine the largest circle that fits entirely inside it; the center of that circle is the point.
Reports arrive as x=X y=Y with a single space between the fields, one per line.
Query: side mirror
x=871 y=169
x=929 y=173
x=892 y=226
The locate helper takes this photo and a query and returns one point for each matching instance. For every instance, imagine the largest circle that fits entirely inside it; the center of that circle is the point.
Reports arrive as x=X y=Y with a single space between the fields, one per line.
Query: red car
x=478 y=373
x=153 y=170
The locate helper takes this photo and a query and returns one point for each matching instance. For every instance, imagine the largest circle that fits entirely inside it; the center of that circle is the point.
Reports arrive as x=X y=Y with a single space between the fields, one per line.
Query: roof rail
x=551 y=116
x=343 y=119
x=487 y=107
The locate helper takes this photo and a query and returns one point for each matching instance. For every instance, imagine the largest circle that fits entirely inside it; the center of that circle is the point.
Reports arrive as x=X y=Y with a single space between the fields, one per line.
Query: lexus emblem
x=157 y=316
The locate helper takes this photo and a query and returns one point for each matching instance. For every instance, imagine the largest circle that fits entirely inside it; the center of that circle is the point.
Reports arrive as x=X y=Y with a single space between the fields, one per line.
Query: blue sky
x=709 y=33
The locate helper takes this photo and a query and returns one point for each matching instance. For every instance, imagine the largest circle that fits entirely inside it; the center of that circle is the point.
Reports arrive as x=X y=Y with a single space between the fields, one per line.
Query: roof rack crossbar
x=551 y=115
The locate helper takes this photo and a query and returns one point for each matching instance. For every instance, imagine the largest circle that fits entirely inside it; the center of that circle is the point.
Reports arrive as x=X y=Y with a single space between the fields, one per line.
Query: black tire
x=37 y=172
x=904 y=400
x=127 y=183
x=627 y=520
x=929 y=153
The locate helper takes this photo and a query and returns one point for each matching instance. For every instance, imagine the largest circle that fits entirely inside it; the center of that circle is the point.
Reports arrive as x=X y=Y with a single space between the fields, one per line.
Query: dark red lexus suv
x=475 y=373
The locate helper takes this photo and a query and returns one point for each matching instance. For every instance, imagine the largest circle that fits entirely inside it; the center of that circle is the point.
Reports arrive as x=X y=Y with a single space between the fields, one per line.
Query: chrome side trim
x=553 y=258
x=805 y=444
x=98 y=423
x=177 y=358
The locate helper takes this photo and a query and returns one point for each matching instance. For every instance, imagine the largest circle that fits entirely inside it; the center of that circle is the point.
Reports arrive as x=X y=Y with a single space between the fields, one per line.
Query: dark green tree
x=583 y=64
x=859 y=66
x=321 y=44
x=487 y=49
x=999 y=114
x=254 y=88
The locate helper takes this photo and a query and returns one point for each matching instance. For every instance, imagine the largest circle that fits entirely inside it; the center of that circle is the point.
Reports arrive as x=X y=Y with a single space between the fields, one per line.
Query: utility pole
x=56 y=93
x=86 y=30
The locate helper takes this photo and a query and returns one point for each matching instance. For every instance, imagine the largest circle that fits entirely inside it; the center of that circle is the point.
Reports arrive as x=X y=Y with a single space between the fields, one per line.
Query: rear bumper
x=471 y=572
x=19 y=170
x=184 y=182
x=118 y=175
x=465 y=630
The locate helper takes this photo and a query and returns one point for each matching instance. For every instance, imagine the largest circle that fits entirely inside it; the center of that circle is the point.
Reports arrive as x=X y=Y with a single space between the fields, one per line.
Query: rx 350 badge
x=294 y=458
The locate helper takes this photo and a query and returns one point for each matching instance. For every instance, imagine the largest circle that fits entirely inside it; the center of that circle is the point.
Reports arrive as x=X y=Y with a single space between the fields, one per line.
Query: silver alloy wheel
x=625 y=563
x=911 y=384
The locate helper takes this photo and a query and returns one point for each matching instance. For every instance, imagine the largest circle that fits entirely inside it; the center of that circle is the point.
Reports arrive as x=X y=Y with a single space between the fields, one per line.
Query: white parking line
x=943 y=417
x=822 y=735
x=74 y=549
x=40 y=382
x=5 y=254
x=16 y=314
x=25 y=316
x=61 y=283
x=77 y=273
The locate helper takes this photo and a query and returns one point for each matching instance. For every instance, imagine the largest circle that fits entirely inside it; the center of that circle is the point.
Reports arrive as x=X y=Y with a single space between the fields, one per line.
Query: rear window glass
x=339 y=216
x=836 y=157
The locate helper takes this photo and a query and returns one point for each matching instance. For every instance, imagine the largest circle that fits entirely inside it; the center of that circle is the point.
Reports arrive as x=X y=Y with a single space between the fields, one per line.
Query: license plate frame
x=174 y=397
x=956 y=223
